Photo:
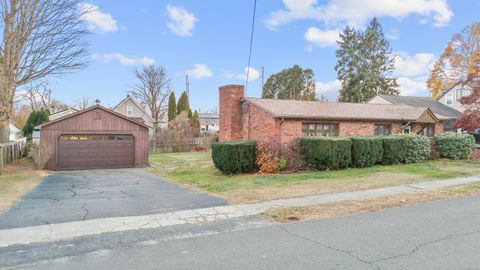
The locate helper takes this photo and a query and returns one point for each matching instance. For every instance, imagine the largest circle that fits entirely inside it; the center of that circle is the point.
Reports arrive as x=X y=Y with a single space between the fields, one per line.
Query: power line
x=251 y=44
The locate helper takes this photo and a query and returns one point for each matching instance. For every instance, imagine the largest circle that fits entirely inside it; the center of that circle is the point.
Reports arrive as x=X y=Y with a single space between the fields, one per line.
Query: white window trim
x=129 y=110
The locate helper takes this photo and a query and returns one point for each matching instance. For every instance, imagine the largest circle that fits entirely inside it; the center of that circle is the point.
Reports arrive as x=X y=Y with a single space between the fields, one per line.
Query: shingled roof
x=336 y=110
x=438 y=108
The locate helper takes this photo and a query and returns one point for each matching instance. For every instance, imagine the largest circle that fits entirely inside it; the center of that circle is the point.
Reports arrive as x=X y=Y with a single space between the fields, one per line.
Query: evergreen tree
x=196 y=120
x=172 y=106
x=183 y=104
x=36 y=118
x=365 y=64
x=293 y=83
x=190 y=114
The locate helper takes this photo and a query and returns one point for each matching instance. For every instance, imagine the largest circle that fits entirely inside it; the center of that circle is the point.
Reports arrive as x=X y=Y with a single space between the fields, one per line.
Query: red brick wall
x=259 y=125
x=231 y=112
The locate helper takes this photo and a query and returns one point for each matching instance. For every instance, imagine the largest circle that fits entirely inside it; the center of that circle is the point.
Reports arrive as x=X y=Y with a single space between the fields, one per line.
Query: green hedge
x=234 y=157
x=455 y=146
x=418 y=148
x=366 y=151
x=394 y=149
x=324 y=153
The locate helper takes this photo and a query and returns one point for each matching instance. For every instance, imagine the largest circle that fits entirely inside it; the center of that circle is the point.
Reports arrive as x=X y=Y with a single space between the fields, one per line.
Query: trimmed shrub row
x=234 y=157
x=454 y=146
x=324 y=153
x=366 y=151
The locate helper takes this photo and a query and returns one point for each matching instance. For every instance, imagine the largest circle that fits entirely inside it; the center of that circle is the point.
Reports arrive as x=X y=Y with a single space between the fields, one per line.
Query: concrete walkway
x=54 y=232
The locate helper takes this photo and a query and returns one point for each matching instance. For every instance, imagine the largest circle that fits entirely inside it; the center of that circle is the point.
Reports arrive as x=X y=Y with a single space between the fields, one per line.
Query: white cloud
x=253 y=74
x=410 y=86
x=322 y=38
x=419 y=64
x=356 y=13
x=181 y=21
x=97 y=19
x=199 y=71
x=128 y=60
x=324 y=88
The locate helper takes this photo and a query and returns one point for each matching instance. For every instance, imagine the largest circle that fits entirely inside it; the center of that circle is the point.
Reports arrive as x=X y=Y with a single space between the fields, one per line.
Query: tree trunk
x=155 y=137
x=4 y=132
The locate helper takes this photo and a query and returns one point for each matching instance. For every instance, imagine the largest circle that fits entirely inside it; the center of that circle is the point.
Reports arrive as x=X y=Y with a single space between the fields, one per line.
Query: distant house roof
x=209 y=118
x=438 y=108
x=337 y=110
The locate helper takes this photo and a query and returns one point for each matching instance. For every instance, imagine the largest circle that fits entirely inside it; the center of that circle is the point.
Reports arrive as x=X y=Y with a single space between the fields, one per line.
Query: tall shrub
x=455 y=146
x=324 y=153
x=366 y=151
x=394 y=149
x=418 y=148
x=234 y=157
x=36 y=118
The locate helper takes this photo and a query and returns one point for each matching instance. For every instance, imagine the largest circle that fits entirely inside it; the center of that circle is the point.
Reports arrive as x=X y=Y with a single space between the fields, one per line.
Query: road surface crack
x=87 y=212
x=346 y=252
x=422 y=245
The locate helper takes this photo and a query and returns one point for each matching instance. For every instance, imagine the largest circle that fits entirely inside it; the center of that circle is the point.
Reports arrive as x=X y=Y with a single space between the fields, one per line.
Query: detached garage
x=95 y=138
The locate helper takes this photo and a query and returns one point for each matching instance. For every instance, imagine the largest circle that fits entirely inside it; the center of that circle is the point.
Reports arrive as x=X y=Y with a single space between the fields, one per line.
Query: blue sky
x=209 y=40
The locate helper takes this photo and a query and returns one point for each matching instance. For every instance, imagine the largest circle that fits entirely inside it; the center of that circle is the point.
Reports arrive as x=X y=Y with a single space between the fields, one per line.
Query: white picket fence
x=12 y=151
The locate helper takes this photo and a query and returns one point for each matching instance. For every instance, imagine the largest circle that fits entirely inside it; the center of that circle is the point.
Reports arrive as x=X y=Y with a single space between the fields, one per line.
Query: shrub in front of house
x=366 y=151
x=454 y=146
x=234 y=157
x=324 y=153
x=418 y=148
x=394 y=149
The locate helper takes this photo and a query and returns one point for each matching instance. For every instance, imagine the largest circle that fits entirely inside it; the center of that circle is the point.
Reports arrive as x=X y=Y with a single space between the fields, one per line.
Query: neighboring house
x=442 y=111
x=51 y=117
x=61 y=113
x=130 y=108
x=95 y=138
x=451 y=97
x=209 y=122
x=15 y=133
x=280 y=121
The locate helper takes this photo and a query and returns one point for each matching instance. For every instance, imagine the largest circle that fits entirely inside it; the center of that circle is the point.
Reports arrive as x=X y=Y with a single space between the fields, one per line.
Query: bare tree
x=36 y=95
x=84 y=102
x=38 y=38
x=153 y=89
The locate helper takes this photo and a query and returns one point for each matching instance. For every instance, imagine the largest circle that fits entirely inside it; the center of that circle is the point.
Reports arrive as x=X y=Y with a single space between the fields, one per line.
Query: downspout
x=280 y=131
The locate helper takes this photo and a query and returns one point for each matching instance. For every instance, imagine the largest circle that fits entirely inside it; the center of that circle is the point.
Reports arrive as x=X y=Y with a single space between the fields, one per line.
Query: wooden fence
x=203 y=143
x=11 y=151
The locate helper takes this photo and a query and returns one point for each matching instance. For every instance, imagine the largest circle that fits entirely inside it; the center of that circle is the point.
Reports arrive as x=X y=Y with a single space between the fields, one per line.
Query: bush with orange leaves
x=267 y=157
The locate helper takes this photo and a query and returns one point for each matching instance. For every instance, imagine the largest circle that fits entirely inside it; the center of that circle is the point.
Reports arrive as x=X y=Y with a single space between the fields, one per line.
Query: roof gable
x=129 y=98
x=91 y=109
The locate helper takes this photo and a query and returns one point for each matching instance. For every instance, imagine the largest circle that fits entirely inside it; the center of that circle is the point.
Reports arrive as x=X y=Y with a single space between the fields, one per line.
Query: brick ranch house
x=280 y=121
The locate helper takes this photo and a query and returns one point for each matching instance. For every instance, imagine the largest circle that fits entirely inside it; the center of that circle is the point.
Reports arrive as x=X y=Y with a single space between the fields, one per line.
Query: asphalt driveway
x=82 y=195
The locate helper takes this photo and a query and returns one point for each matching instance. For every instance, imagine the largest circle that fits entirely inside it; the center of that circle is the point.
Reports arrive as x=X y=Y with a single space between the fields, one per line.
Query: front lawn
x=196 y=170
x=17 y=179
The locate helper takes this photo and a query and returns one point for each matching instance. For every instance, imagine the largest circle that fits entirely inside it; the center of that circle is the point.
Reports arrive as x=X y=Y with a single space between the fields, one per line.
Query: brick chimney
x=231 y=112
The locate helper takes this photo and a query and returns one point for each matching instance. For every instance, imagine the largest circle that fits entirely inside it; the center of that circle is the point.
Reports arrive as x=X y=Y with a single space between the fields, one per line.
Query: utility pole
x=187 y=86
x=263 y=76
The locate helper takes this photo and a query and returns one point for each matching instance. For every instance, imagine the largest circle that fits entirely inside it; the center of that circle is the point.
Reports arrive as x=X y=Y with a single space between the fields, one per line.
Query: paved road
x=437 y=235
x=83 y=195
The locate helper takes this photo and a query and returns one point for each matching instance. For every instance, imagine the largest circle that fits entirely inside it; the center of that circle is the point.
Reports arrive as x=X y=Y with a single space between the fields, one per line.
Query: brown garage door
x=77 y=152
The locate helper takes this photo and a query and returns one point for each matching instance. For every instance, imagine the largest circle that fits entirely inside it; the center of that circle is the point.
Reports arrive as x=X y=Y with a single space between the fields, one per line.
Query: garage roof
x=93 y=108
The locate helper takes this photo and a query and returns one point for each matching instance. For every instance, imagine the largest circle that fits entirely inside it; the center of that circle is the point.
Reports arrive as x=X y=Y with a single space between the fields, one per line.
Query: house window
x=449 y=99
x=320 y=130
x=129 y=111
x=428 y=130
x=382 y=130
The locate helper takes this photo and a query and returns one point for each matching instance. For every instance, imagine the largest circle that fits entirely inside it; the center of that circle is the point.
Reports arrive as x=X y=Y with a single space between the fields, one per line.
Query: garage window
x=95 y=137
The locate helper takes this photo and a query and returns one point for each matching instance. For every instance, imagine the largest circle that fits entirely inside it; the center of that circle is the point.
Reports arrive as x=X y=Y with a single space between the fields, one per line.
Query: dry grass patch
x=17 y=179
x=337 y=209
x=196 y=170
